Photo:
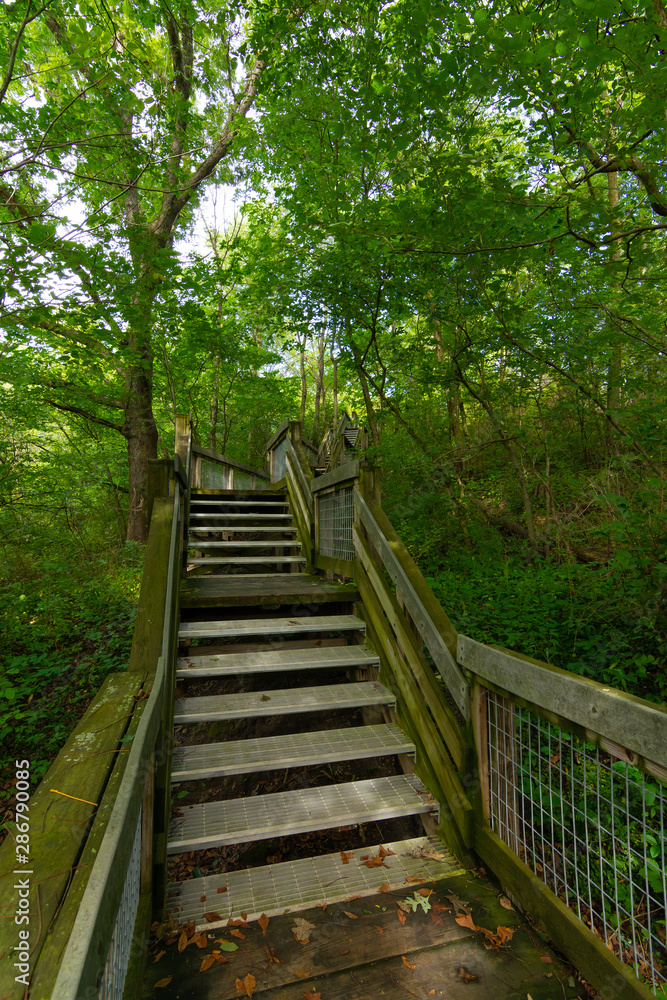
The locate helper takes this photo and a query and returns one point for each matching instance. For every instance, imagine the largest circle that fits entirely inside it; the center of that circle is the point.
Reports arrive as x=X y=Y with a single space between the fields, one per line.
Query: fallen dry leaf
x=223 y=888
x=301 y=930
x=346 y=952
x=183 y=941
x=312 y=995
x=271 y=954
x=405 y=962
x=427 y=852
x=505 y=933
x=425 y=892
x=159 y=956
x=346 y=858
x=401 y=916
x=385 y=887
x=378 y=929
x=202 y=899
x=212 y=917
x=465 y=920
x=263 y=923
x=163 y=982
x=351 y=899
x=352 y=916
x=301 y=973
x=546 y=958
x=201 y=940
x=246 y=985
x=235 y=932
x=404 y=906
x=466 y=976
x=413 y=878
x=238 y=923
x=460 y=906
x=218 y=957
x=206 y=962
x=504 y=901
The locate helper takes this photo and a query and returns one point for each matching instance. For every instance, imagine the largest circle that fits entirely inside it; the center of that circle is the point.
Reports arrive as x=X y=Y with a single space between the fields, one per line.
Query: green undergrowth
x=66 y=625
x=593 y=601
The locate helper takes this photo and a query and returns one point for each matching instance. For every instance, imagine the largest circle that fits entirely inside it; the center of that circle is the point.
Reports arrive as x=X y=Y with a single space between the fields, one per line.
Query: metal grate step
x=214 y=824
x=287 y=701
x=246 y=528
x=245 y=560
x=237 y=503
x=259 y=662
x=270 y=626
x=299 y=885
x=245 y=517
x=212 y=760
x=262 y=543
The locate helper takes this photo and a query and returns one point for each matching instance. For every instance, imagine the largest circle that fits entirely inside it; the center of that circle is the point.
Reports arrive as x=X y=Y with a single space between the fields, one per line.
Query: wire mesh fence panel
x=335 y=515
x=241 y=480
x=214 y=476
x=118 y=958
x=590 y=825
x=279 y=464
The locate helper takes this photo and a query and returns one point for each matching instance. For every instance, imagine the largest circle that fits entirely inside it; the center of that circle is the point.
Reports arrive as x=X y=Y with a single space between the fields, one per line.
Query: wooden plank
x=341 y=567
x=296 y=471
x=96 y=917
x=147 y=637
x=215 y=456
x=598 y=965
x=46 y=968
x=423 y=675
x=238 y=590
x=636 y=724
x=59 y=825
x=276 y=436
x=434 y=626
x=182 y=436
x=455 y=799
x=336 y=942
x=344 y=473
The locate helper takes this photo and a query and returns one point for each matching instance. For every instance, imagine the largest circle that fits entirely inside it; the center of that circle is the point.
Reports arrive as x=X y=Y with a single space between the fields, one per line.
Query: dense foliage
x=450 y=218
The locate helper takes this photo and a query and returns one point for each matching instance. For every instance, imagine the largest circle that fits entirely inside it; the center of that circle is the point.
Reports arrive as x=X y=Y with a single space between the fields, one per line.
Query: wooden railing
x=213 y=471
x=557 y=783
x=98 y=820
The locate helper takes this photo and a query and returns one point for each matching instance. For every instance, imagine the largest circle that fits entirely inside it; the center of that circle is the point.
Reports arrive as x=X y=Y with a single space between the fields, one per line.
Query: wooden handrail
x=85 y=955
x=427 y=614
x=214 y=456
x=631 y=722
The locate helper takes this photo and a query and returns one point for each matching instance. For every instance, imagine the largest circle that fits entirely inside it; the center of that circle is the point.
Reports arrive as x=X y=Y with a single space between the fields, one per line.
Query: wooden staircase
x=271 y=626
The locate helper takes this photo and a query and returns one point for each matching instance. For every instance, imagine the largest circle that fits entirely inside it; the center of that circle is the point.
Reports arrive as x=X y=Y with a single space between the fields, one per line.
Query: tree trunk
x=141 y=433
x=616 y=359
x=304 y=384
x=212 y=433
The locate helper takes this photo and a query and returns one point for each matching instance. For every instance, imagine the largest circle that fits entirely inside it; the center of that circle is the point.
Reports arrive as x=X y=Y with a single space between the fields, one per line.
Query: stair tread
x=244 y=560
x=285 y=701
x=214 y=824
x=258 y=661
x=246 y=517
x=270 y=626
x=249 y=528
x=300 y=749
x=262 y=543
x=298 y=885
x=237 y=503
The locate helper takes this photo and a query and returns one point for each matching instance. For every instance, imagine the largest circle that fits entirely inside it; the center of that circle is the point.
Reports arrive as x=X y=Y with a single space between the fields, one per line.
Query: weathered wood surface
x=422 y=674
x=295 y=468
x=419 y=726
x=638 y=725
x=433 y=624
x=147 y=638
x=275 y=438
x=215 y=456
x=46 y=969
x=59 y=826
x=594 y=961
x=274 y=588
x=371 y=944
x=344 y=473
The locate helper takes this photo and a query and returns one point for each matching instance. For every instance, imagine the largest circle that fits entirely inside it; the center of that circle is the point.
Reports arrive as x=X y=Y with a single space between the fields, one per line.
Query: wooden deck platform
x=245 y=589
x=362 y=949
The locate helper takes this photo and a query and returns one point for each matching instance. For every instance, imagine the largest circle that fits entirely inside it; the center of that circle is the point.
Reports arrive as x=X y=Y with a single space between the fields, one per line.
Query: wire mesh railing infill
x=590 y=825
